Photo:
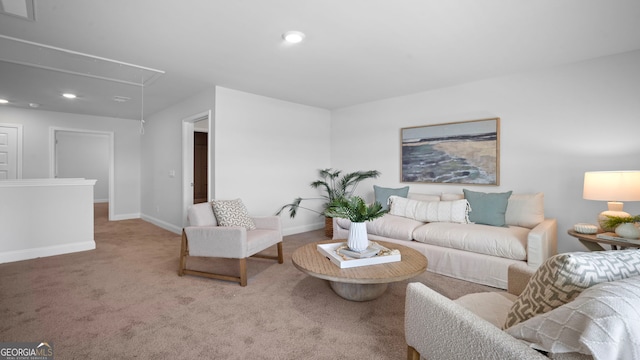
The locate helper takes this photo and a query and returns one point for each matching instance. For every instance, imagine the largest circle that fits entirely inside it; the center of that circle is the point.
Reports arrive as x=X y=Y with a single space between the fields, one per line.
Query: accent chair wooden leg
x=243 y=272
x=412 y=354
x=280 y=255
x=183 y=254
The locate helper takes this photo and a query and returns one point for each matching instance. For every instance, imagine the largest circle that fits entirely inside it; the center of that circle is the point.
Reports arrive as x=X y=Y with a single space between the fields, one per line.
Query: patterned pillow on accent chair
x=232 y=213
x=564 y=276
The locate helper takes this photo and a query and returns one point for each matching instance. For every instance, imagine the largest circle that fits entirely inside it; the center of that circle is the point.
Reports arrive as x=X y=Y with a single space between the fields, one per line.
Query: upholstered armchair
x=232 y=234
x=581 y=305
x=439 y=328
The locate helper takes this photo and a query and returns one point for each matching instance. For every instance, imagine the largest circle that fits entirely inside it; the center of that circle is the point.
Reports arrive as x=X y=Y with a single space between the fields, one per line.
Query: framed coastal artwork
x=466 y=152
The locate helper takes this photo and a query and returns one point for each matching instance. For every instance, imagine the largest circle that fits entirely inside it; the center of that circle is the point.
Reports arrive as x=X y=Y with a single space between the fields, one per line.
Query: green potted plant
x=334 y=185
x=623 y=226
x=356 y=210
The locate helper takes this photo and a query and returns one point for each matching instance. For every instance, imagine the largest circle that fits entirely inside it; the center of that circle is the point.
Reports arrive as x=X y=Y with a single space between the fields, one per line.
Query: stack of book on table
x=340 y=255
x=615 y=237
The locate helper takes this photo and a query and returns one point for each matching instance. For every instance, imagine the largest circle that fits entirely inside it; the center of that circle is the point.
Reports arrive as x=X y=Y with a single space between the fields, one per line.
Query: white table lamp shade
x=612 y=185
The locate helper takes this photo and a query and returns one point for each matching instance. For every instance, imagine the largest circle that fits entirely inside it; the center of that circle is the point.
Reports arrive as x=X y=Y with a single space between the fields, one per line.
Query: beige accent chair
x=203 y=237
x=439 y=328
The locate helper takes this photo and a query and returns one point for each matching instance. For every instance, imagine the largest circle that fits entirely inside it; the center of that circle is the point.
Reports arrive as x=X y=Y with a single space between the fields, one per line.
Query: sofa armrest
x=438 y=328
x=338 y=231
x=542 y=242
x=217 y=241
x=518 y=276
x=268 y=223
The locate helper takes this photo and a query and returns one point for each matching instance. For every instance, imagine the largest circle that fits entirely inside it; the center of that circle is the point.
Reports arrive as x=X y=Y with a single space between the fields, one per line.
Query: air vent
x=121 y=99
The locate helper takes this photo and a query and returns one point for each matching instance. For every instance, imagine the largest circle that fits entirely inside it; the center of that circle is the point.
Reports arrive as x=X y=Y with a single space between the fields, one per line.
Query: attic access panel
x=23 y=9
x=47 y=57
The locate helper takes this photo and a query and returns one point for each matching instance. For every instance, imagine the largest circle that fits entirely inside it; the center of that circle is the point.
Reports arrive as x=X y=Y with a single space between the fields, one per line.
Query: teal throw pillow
x=382 y=194
x=487 y=208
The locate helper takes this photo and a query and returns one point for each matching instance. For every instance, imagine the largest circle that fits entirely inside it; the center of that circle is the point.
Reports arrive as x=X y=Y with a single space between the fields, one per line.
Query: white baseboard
x=125 y=217
x=161 y=223
x=26 y=254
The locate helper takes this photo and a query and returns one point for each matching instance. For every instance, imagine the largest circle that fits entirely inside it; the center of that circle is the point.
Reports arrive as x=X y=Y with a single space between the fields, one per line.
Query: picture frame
x=465 y=152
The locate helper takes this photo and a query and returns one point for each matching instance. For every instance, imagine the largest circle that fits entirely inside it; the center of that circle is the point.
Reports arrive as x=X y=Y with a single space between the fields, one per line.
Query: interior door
x=200 y=167
x=8 y=153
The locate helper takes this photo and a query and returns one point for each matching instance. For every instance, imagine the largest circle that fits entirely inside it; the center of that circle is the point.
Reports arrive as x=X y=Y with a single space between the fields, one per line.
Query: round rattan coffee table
x=361 y=283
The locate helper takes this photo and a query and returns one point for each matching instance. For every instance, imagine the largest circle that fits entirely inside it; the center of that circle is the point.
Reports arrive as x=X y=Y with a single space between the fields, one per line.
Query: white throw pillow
x=430 y=211
x=525 y=210
x=603 y=321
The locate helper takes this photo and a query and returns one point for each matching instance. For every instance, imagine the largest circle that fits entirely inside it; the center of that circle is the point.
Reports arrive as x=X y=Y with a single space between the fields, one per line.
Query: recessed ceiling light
x=4 y=101
x=34 y=105
x=69 y=95
x=293 y=37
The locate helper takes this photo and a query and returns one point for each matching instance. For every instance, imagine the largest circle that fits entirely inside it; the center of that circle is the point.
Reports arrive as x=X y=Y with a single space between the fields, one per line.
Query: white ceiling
x=355 y=51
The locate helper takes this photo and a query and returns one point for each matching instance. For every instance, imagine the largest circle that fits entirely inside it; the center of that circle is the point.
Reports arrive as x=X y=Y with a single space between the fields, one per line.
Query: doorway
x=196 y=150
x=10 y=152
x=200 y=162
x=86 y=154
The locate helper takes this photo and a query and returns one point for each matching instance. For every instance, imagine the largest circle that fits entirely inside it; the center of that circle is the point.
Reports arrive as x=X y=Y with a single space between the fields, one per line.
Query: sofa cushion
x=487 y=208
x=526 y=210
x=492 y=306
x=382 y=194
x=603 y=321
x=232 y=213
x=430 y=211
x=395 y=227
x=451 y=196
x=505 y=242
x=423 y=197
x=390 y=226
x=561 y=278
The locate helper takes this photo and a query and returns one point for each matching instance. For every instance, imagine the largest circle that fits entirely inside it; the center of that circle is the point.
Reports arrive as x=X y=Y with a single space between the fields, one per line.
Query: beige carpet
x=125 y=300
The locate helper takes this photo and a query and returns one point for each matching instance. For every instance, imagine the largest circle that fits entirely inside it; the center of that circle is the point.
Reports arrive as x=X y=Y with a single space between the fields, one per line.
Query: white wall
x=84 y=155
x=45 y=217
x=268 y=151
x=162 y=154
x=36 y=144
x=265 y=151
x=555 y=125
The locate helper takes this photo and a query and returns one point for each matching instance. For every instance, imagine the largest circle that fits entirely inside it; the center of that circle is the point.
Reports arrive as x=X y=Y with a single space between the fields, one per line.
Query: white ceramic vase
x=628 y=231
x=358 y=240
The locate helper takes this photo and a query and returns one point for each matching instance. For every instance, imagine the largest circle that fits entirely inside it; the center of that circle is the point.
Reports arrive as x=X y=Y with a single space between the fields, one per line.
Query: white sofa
x=575 y=306
x=474 y=252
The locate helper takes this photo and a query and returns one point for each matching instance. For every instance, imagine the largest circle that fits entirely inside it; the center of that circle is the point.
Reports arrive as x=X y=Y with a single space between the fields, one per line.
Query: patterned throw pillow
x=232 y=213
x=564 y=276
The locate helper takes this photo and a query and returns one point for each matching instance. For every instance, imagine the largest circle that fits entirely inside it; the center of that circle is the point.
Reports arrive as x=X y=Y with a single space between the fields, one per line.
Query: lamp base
x=604 y=216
